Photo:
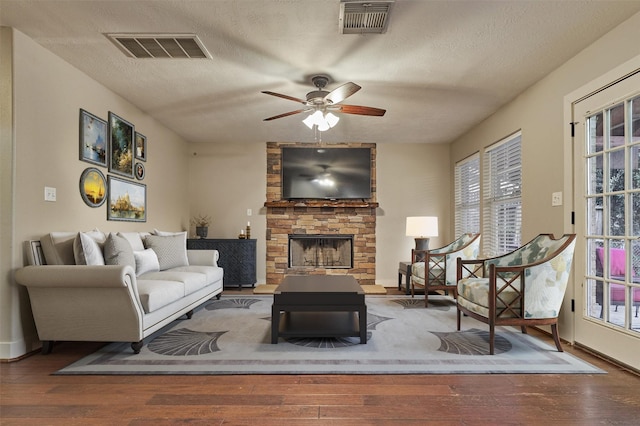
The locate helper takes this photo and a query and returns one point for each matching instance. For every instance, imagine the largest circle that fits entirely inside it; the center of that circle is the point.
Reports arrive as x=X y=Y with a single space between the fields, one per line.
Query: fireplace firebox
x=320 y=251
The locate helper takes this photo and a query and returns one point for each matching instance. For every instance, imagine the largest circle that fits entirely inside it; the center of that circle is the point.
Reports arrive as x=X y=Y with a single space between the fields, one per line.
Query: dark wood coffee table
x=319 y=306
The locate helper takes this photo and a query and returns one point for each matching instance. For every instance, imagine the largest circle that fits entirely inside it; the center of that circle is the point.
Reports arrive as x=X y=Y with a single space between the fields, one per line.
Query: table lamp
x=421 y=228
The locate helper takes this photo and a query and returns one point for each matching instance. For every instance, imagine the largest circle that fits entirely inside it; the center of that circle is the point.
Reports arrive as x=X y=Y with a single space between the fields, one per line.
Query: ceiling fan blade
x=279 y=95
x=286 y=114
x=361 y=110
x=341 y=93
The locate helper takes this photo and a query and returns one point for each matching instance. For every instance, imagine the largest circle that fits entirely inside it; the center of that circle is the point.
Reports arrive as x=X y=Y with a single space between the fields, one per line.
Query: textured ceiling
x=441 y=68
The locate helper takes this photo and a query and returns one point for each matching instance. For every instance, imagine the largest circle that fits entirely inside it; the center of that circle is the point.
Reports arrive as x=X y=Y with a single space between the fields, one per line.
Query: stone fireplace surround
x=321 y=217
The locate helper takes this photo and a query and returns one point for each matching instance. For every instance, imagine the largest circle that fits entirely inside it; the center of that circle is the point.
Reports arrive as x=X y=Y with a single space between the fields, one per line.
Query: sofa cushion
x=213 y=273
x=86 y=248
x=171 y=250
x=154 y=294
x=118 y=251
x=134 y=238
x=167 y=233
x=57 y=248
x=146 y=261
x=191 y=281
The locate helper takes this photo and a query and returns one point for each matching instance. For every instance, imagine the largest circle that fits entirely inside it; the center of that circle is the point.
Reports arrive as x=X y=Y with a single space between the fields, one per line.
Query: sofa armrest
x=203 y=257
x=83 y=276
x=84 y=303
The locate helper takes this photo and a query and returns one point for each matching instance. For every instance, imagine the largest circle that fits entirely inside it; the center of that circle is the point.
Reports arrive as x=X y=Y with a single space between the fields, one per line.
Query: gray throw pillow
x=118 y=251
x=171 y=250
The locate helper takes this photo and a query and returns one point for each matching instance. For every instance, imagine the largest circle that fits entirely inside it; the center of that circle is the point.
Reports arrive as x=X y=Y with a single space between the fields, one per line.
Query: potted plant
x=201 y=222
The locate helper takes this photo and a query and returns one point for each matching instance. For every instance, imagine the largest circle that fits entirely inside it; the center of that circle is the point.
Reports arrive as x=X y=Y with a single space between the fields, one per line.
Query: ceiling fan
x=325 y=102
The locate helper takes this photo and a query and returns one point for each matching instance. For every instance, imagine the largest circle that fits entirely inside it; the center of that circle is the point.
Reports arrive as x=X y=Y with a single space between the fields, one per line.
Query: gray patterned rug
x=233 y=335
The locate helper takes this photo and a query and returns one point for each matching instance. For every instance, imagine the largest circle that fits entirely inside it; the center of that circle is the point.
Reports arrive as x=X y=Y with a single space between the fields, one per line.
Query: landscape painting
x=93 y=187
x=121 y=134
x=93 y=139
x=127 y=200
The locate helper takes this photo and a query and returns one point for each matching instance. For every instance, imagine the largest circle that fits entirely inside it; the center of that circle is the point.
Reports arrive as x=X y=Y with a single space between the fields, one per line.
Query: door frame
x=587 y=90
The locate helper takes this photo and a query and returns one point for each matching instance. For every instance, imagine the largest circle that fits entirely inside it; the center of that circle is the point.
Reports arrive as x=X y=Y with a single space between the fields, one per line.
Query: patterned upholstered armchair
x=441 y=265
x=522 y=288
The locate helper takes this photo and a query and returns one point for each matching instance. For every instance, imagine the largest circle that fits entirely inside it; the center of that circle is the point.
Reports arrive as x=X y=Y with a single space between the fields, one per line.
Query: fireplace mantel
x=321 y=203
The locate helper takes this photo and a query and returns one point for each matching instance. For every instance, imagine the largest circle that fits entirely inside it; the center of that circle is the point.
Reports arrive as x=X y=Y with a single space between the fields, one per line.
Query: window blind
x=467 y=195
x=502 y=196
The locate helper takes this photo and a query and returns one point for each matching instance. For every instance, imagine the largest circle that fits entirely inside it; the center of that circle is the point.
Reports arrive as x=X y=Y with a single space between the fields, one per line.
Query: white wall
x=539 y=112
x=43 y=140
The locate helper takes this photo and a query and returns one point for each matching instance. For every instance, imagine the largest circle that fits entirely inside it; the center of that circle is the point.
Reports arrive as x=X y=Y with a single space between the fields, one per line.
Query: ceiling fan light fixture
x=323 y=126
x=309 y=121
x=332 y=119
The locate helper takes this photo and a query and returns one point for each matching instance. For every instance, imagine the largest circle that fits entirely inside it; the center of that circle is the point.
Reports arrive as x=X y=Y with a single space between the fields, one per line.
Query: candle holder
x=248 y=233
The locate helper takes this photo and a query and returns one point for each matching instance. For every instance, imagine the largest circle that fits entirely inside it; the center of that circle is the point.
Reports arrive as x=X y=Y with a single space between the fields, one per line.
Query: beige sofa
x=121 y=287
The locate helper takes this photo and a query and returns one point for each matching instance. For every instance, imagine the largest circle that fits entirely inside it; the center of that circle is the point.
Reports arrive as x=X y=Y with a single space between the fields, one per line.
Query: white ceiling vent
x=178 y=46
x=364 y=17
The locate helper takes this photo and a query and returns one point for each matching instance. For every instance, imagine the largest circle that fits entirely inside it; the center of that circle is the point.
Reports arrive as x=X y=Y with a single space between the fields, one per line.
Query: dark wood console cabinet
x=237 y=258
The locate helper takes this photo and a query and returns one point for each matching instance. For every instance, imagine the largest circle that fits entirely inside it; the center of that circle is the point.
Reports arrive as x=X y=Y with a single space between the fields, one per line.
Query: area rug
x=233 y=336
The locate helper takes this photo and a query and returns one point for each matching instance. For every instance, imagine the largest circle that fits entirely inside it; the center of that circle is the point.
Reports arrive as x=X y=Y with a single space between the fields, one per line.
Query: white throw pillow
x=167 y=233
x=86 y=249
x=146 y=261
x=171 y=250
x=118 y=251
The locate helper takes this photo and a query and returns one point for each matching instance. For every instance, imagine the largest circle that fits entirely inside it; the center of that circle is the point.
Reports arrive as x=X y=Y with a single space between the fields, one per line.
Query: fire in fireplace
x=320 y=251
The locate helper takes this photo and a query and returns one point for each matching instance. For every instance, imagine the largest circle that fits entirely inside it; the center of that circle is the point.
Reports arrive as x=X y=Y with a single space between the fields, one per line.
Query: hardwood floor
x=31 y=395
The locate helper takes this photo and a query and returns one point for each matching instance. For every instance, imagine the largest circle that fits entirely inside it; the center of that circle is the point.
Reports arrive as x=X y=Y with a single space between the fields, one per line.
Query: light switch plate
x=556 y=199
x=49 y=194
x=249 y=212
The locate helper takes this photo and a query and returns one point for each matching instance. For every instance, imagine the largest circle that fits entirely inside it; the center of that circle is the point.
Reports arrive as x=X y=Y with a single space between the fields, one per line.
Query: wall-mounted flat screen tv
x=326 y=173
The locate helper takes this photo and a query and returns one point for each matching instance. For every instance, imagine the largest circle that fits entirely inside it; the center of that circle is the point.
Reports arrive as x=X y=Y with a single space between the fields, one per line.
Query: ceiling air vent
x=177 y=46
x=364 y=17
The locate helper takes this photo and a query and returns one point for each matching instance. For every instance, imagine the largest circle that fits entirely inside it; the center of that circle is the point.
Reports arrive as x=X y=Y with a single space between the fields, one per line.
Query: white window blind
x=467 y=195
x=502 y=203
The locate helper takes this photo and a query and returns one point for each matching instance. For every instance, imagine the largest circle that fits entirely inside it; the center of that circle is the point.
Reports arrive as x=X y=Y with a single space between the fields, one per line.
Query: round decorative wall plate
x=93 y=187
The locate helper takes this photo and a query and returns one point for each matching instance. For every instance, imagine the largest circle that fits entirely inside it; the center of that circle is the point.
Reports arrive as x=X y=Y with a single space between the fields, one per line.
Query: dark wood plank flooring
x=31 y=395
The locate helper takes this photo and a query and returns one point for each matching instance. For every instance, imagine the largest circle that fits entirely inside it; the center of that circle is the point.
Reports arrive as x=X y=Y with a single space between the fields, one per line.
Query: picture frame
x=93 y=139
x=140 y=172
x=127 y=200
x=141 y=147
x=93 y=187
x=121 y=140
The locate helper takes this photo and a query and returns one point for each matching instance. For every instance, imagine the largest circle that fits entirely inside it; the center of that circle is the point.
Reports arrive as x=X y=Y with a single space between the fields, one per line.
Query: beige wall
x=226 y=179
x=413 y=180
x=47 y=96
x=539 y=112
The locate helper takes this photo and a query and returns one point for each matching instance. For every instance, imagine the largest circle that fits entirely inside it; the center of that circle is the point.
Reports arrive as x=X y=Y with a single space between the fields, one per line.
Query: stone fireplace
x=301 y=220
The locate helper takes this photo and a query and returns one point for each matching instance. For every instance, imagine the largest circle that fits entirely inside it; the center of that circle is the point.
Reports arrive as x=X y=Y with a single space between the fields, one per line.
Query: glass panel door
x=608 y=221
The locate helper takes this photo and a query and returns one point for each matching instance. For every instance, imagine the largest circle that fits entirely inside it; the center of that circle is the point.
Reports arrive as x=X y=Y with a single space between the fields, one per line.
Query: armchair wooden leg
x=426 y=297
x=524 y=329
x=556 y=338
x=492 y=336
x=459 y=319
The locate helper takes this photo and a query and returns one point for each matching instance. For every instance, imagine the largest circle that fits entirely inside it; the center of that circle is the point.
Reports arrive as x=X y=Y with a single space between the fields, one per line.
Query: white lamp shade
x=422 y=226
x=332 y=119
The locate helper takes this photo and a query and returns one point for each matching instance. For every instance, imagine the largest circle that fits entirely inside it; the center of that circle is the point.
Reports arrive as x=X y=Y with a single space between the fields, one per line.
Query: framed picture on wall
x=127 y=200
x=121 y=135
x=141 y=147
x=93 y=187
x=140 y=171
x=93 y=139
